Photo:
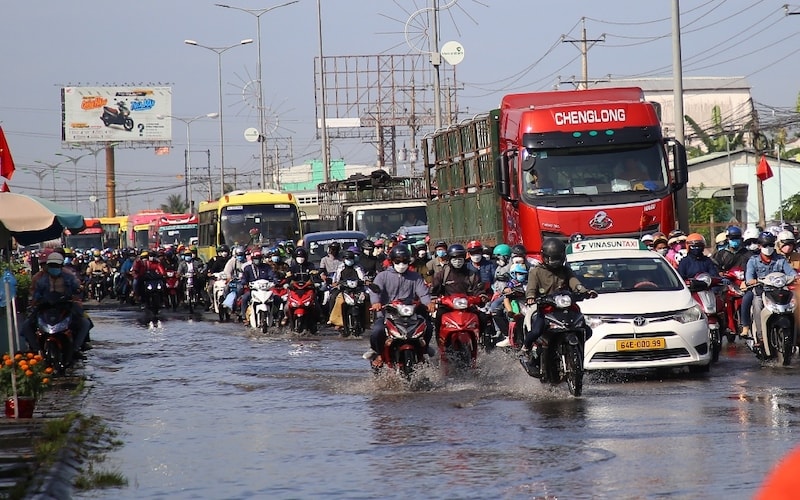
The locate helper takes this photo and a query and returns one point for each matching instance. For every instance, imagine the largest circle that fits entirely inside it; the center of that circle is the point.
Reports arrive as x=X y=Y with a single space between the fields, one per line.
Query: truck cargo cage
x=379 y=186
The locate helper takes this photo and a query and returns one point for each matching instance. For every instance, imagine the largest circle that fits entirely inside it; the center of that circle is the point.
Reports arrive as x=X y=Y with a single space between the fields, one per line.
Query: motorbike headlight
x=777 y=280
x=405 y=310
x=688 y=315
x=352 y=283
x=739 y=275
x=705 y=278
x=460 y=303
x=562 y=301
x=594 y=321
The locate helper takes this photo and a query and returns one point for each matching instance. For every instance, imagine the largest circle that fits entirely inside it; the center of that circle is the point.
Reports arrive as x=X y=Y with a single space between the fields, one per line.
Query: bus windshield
x=387 y=221
x=84 y=241
x=177 y=235
x=596 y=170
x=141 y=238
x=259 y=225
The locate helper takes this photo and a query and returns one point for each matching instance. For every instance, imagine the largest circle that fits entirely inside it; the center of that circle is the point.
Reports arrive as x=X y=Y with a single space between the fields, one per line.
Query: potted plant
x=32 y=380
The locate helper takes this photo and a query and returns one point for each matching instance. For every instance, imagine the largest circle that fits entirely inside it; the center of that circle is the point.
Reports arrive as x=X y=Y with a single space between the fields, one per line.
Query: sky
x=510 y=46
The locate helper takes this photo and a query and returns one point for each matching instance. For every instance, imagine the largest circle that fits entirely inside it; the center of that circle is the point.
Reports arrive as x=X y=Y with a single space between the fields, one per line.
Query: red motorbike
x=459 y=330
x=710 y=303
x=172 y=281
x=732 y=297
x=405 y=337
x=300 y=306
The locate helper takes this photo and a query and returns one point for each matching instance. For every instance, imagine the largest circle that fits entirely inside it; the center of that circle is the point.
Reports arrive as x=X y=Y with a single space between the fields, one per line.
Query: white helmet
x=786 y=236
x=750 y=233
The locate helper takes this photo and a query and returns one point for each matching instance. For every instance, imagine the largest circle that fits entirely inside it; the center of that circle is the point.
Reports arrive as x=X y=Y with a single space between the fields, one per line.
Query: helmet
x=675 y=236
x=647 y=238
x=519 y=271
x=255 y=255
x=457 y=251
x=334 y=247
x=721 y=238
x=55 y=258
x=95 y=254
x=519 y=250
x=223 y=248
x=474 y=246
x=576 y=237
x=273 y=251
x=554 y=253
x=238 y=250
x=440 y=244
x=187 y=252
x=400 y=253
x=695 y=239
x=733 y=233
x=750 y=233
x=144 y=254
x=349 y=255
x=367 y=244
x=786 y=237
x=502 y=249
x=300 y=252
x=766 y=239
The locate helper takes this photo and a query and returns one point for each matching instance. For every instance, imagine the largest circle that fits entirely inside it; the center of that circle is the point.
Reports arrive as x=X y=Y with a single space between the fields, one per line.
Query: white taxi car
x=644 y=315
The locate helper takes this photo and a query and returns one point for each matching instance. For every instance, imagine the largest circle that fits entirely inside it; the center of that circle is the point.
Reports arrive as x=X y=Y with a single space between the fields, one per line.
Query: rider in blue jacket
x=697 y=261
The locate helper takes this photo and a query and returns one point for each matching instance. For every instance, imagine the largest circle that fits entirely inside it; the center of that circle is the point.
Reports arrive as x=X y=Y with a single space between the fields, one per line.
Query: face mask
x=223 y=254
x=240 y=258
x=256 y=262
x=421 y=254
x=400 y=267
x=376 y=252
x=441 y=253
x=662 y=251
x=752 y=247
x=457 y=263
x=276 y=259
x=67 y=260
x=768 y=251
x=696 y=251
x=349 y=262
x=735 y=244
x=476 y=258
x=98 y=259
x=187 y=258
x=518 y=260
x=54 y=271
x=522 y=278
x=300 y=260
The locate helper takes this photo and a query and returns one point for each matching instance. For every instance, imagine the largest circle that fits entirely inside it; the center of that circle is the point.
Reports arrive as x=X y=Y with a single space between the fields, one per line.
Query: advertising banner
x=109 y=114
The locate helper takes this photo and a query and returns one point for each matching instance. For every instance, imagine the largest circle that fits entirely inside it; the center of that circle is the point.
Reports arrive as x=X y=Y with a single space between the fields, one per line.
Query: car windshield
x=626 y=274
x=387 y=221
x=319 y=249
x=592 y=171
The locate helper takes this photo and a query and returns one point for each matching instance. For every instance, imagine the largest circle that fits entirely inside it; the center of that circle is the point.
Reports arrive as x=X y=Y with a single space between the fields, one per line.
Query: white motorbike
x=259 y=313
x=218 y=292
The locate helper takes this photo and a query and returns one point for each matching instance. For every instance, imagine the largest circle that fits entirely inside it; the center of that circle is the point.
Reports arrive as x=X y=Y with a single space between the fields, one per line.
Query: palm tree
x=175 y=205
x=715 y=138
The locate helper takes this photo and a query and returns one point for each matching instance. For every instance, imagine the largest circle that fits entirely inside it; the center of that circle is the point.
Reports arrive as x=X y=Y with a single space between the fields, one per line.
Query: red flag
x=6 y=162
x=763 y=172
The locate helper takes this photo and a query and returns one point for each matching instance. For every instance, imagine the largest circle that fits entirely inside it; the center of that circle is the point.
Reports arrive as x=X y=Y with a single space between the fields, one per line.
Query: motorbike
x=353 y=305
x=405 y=338
x=280 y=294
x=777 y=319
x=172 y=282
x=459 y=330
x=732 y=299
x=300 y=305
x=220 y=291
x=260 y=310
x=97 y=285
x=191 y=293
x=560 y=348
x=124 y=287
x=54 y=332
x=154 y=288
x=702 y=293
x=117 y=116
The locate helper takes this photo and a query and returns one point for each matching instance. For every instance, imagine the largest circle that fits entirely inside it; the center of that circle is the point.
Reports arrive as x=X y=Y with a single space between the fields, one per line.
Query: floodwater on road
x=213 y=410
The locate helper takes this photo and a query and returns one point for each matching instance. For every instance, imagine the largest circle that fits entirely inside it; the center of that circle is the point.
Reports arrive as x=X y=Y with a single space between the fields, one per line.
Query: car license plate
x=641 y=344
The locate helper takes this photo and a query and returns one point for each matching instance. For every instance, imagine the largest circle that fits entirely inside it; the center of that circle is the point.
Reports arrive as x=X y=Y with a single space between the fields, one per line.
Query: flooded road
x=210 y=410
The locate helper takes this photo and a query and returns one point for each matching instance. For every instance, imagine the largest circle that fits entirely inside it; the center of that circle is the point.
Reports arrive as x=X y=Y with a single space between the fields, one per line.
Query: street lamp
x=219 y=51
x=187 y=163
x=74 y=160
x=40 y=174
x=53 y=167
x=258 y=13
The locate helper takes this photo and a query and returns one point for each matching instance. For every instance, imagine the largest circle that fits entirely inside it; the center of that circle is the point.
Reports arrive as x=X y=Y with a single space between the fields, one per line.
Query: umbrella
x=31 y=220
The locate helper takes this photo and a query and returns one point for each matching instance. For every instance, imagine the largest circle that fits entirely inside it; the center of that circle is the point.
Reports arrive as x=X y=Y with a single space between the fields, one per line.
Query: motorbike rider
x=125 y=273
x=502 y=256
x=349 y=270
x=786 y=247
x=369 y=263
x=150 y=265
x=279 y=266
x=216 y=264
x=171 y=260
x=767 y=261
x=331 y=262
x=477 y=264
x=257 y=270
x=301 y=270
x=396 y=283
x=734 y=254
x=455 y=278
x=437 y=262
x=186 y=266
x=235 y=267
x=677 y=247
x=98 y=265
x=553 y=275
x=419 y=261
x=696 y=261
x=53 y=278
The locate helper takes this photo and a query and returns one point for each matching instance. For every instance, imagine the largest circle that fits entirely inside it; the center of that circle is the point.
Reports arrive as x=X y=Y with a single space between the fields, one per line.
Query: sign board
x=251 y=134
x=452 y=52
x=109 y=114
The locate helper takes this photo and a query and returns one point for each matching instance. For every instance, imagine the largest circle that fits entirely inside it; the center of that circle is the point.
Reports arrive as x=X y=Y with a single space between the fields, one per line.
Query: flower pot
x=26 y=407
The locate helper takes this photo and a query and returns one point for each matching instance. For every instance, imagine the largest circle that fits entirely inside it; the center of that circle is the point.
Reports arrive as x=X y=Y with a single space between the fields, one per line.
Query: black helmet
x=367 y=244
x=348 y=255
x=766 y=239
x=300 y=252
x=519 y=251
x=440 y=244
x=223 y=248
x=457 y=251
x=400 y=253
x=554 y=253
x=576 y=237
x=334 y=247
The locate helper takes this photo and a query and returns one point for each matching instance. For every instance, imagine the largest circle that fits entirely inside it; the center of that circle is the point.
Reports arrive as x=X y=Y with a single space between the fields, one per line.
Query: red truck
x=546 y=164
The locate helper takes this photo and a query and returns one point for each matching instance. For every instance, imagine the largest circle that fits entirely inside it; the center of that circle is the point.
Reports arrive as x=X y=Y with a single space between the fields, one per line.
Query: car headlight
x=689 y=315
x=593 y=321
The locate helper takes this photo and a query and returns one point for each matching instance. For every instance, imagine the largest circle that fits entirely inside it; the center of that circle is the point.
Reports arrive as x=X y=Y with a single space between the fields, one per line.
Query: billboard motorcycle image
x=105 y=114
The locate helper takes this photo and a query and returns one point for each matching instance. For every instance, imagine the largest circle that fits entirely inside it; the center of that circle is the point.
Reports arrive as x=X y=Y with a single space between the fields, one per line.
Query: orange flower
x=48 y=370
x=8 y=362
x=45 y=380
x=29 y=373
x=18 y=356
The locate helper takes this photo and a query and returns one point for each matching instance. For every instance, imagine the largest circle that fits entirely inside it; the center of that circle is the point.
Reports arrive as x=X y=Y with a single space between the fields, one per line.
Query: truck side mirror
x=502 y=167
x=680 y=169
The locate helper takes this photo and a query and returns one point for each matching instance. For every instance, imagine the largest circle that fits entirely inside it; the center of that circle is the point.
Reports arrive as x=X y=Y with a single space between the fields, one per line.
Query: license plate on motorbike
x=641 y=344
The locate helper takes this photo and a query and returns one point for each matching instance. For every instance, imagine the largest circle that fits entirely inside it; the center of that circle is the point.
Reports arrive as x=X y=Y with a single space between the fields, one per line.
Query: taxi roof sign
x=606 y=244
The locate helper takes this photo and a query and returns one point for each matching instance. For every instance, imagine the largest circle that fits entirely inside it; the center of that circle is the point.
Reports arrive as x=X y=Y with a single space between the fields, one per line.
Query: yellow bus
x=254 y=218
x=115 y=231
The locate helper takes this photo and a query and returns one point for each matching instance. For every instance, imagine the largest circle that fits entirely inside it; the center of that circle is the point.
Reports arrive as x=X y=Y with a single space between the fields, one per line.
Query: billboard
x=116 y=114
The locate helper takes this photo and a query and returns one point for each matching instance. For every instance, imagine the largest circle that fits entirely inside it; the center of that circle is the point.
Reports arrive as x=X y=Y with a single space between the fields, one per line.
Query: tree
x=791 y=208
x=716 y=138
x=702 y=209
x=175 y=205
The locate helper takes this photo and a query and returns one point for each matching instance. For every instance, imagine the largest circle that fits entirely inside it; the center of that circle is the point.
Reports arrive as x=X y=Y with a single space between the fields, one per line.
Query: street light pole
x=219 y=51
x=188 y=162
x=261 y=125
x=40 y=174
x=74 y=160
x=53 y=167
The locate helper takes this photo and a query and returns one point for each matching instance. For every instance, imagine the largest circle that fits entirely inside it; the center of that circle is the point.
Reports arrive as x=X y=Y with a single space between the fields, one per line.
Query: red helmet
x=256 y=255
x=474 y=246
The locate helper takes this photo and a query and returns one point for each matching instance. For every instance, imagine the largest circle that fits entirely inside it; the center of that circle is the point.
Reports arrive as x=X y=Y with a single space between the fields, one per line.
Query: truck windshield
x=387 y=221
x=259 y=225
x=596 y=170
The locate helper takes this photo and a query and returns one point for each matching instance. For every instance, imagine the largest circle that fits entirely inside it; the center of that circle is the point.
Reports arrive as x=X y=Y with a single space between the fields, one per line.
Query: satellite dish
x=251 y=134
x=452 y=52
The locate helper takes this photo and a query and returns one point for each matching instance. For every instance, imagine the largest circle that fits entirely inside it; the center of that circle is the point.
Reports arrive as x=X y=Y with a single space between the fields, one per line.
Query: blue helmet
x=734 y=233
x=519 y=272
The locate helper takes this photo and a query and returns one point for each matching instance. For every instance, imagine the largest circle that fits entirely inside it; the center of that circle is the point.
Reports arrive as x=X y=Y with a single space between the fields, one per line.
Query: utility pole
x=584 y=45
x=682 y=200
x=436 y=61
x=755 y=132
